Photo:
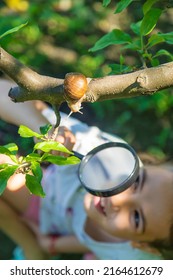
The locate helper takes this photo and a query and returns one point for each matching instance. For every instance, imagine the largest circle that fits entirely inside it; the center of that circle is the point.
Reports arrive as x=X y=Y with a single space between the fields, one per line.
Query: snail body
x=75 y=85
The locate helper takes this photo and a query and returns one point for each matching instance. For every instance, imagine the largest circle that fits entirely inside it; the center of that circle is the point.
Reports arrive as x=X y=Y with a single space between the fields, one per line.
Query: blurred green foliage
x=57 y=37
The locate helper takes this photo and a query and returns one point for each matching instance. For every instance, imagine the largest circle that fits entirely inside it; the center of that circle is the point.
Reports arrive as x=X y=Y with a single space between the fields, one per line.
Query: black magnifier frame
x=118 y=188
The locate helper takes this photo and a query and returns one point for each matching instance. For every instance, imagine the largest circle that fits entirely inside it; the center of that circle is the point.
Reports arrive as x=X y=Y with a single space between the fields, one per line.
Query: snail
x=75 y=87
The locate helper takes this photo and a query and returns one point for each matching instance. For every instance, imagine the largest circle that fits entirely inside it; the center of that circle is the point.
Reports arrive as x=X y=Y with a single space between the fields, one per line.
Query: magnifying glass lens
x=109 y=169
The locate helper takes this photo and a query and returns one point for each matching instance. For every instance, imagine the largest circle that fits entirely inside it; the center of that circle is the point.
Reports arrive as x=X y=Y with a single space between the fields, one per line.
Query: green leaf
x=147 y=5
x=37 y=171
x=135 y=27
x=3 y=165
x=62 y=160
x=5 y=151
x=106 y=3
x=155 y=62
x=5 y=174
x=163 y=52
x=154 y=40
x=15 y=29
x=160 y=38
x=12 y=147
x=34 y=186
x=149 y=21
x=47 y=146
x=44 y=129
x=33 y=157
x=135 y=46
x=123 y=4
x=121 y=59
x=116 y=36
x=168 y=37
x=118 y=68
x=26 y=132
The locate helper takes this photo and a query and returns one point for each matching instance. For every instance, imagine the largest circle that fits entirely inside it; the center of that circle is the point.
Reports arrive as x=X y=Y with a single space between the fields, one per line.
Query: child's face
x=144 y=212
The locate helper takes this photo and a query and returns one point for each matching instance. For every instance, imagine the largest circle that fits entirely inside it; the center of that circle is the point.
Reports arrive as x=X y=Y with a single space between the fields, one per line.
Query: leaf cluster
x=145 y=42
x=142 y=39
x=30 y=165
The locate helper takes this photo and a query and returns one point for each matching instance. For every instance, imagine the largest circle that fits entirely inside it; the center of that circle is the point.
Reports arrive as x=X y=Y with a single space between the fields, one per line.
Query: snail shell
x=75 y=85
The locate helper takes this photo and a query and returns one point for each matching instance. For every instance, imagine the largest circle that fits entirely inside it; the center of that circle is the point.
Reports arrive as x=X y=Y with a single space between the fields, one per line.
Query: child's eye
x=136 y=218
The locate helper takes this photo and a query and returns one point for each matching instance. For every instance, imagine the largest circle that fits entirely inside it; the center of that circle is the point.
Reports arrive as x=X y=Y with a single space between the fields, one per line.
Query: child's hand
x=45 y=243
x=5 y=159
x=65 y=137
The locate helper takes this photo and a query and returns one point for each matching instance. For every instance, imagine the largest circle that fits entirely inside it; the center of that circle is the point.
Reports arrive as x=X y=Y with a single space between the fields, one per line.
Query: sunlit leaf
x=3 y=165
x=4 y=150
x=26 y=132
x=5 y=174
x=12 y=147
x=34 y=185
x=33 y=157
x=62 y=160
x=37 y=170
x=15 y=29
x=47 y=146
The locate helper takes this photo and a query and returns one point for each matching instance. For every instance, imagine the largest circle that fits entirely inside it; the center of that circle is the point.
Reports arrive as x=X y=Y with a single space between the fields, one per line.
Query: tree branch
x=143 y=82
x=33 y=86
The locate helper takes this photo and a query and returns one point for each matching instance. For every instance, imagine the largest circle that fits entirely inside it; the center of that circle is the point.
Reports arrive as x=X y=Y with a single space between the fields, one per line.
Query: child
x=135 y=224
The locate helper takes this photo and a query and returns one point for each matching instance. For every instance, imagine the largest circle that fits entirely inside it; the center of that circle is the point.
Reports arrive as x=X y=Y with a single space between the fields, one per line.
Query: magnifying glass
x=108 y=169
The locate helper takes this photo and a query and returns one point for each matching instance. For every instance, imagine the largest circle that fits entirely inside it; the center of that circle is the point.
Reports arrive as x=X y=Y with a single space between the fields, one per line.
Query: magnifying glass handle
x=78 y=155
